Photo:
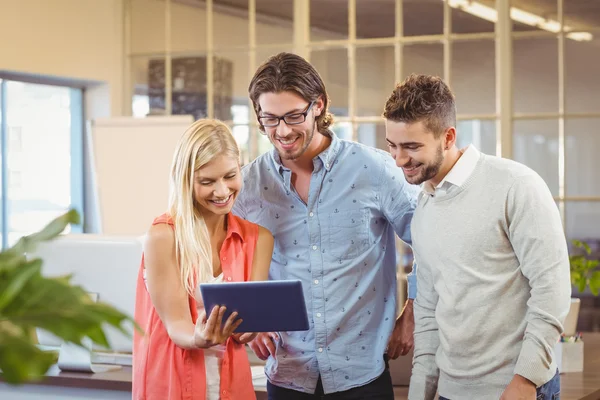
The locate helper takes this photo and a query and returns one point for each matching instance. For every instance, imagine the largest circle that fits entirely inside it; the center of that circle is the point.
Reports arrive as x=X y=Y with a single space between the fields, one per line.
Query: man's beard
x=432 y=169
x=308 y=139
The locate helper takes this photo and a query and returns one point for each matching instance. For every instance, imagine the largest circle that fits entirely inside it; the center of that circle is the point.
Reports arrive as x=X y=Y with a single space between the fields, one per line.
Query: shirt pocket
x=348 y=233
x=359 y=357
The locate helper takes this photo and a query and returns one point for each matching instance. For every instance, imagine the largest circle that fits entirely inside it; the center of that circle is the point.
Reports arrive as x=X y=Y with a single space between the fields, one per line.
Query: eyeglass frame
x=282 y=118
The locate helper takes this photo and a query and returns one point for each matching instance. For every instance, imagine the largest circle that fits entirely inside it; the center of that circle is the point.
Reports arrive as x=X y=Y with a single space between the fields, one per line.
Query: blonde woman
x=186 y=353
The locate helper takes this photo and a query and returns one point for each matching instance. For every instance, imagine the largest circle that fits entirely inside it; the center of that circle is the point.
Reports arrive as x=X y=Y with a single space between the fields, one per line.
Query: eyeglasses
x=290 y=119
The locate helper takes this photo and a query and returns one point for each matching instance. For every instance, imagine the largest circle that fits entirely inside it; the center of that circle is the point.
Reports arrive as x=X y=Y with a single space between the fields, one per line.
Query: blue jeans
x=548 y=391
x=380 y=389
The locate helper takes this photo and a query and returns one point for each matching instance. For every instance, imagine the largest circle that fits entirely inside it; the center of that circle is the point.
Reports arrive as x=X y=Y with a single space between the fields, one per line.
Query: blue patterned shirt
x=341 y=245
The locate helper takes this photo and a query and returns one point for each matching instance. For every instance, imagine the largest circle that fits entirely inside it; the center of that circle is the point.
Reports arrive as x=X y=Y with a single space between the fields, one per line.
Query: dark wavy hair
x=285 y=72
x=422 y=98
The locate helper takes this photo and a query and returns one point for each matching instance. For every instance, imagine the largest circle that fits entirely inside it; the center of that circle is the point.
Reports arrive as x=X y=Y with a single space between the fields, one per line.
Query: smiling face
x=292 y=138
x=416 y=150
x=217 y=184
x=420 y=128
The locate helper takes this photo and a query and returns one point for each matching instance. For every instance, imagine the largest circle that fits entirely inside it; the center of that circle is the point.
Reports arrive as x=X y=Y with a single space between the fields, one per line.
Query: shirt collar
x=460 y=172
x=327 y=156
x=233 y=227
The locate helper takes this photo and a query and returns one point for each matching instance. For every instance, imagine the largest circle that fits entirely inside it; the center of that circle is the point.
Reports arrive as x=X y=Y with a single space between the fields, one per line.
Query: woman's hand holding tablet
x=210 y=332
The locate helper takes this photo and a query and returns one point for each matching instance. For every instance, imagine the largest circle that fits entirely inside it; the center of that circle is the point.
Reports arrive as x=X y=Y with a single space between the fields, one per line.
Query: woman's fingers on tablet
x=199 y=339
x=219 y=323
x=235 y=325
x=230 y=324
x=211 y=322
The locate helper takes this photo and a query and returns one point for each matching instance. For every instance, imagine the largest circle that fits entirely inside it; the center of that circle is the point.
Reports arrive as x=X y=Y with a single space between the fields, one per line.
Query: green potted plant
x=29 y=300
x=584 y=275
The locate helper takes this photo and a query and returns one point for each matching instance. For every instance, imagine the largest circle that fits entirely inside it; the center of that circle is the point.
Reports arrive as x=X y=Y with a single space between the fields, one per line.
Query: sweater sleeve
x=425 y=373
x=536 y=234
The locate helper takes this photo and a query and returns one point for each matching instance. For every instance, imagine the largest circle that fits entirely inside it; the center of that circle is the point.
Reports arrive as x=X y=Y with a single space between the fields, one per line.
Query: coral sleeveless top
x=161 y=369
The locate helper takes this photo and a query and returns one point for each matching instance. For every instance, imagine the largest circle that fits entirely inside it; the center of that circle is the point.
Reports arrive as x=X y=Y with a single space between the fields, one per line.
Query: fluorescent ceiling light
x=516 y=14
x=476 y=9
x=580 y=36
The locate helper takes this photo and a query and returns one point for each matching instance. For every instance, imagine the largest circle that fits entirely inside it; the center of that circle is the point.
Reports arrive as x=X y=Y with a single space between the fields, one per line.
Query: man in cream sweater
x=493 y=279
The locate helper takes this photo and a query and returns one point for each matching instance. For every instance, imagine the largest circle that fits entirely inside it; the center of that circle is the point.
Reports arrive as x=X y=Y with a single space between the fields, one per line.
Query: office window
x=42 y=156
x=479 y=133
x=538 y=104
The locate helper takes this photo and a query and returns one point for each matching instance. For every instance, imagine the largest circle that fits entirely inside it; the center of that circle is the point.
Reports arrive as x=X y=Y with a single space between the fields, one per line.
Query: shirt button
x=319 y=314
x=314 y=247
x=326 y=165
x=224 y=392
x=316 y=281
x=228 y=278
x=320 y=349
x=311 y=214
x=224 y=258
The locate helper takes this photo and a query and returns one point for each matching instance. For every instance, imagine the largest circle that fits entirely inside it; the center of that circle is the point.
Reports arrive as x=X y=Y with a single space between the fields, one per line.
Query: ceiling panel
x=422 y=17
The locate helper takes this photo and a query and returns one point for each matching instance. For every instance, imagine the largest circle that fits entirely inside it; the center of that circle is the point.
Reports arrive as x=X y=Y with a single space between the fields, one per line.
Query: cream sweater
x=493 y=284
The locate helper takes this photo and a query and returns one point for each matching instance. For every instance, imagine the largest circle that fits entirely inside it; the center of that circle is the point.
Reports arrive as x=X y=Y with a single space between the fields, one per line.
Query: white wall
x=79 y=39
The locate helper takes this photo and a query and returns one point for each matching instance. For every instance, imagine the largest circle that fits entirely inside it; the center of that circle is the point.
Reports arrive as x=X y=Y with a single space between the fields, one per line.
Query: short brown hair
x=422 y=98
x=285 y=72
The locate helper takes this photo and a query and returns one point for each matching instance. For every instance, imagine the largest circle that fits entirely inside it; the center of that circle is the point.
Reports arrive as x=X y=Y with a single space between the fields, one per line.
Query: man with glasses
x=333 y=207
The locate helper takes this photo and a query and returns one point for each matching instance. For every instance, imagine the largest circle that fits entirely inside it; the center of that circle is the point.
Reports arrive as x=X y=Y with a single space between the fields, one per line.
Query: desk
x=60 y=385
x=117 y=384
x=584 y=385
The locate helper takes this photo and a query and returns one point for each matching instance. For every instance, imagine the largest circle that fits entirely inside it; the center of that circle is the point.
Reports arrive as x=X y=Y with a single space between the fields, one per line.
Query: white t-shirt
x=213 y=356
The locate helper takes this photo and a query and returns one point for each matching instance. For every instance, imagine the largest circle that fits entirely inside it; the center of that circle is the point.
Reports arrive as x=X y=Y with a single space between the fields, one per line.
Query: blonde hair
x=202 y=142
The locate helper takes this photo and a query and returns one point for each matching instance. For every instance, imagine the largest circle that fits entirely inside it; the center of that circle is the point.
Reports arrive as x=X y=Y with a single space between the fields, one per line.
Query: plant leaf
x=53 y=229
x=582 y=245
x=29 y=300
x=64 y=310
x=12 y=257
x=582 y=283
x=19 y=279
x=576 y=262
x=21 y=360
x=575 y=277
x=595 y=283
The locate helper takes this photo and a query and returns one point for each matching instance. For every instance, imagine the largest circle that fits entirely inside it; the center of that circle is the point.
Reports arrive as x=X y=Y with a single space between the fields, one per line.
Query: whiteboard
x=131 y=163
